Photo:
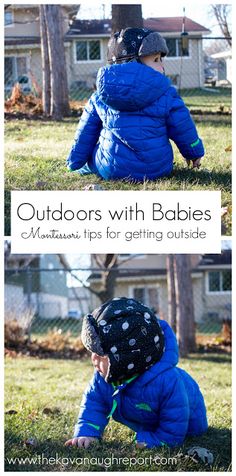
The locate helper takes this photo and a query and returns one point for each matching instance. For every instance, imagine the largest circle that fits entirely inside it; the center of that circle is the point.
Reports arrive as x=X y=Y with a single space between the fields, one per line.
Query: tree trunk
x=108 y=268
x=46 y=97
x=184 y=303
x=59 y=91
x=171 y=291
x=124 y=16
x=109 y=265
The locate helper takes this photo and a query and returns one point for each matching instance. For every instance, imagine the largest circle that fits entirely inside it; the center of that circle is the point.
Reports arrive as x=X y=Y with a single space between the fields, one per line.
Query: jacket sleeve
x=181 y=128
x=86 y=137
x=173 y=416
x=94 y=410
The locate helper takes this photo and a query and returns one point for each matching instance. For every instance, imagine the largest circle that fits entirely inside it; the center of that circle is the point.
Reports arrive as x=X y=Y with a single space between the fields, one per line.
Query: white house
x=224 y=62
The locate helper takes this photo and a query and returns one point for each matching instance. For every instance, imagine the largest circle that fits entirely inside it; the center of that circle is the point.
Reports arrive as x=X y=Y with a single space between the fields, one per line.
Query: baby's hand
x=81 y=441
x=195 y=163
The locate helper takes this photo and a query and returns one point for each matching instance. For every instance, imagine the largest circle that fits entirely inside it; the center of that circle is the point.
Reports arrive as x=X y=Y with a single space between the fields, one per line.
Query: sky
x=197 y=11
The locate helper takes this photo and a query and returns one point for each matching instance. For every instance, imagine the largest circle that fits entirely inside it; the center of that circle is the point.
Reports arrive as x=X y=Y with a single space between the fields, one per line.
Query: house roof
x=164 y=24
x=22 y=40
x=173 y=25
x=208 y=260
x=222 y=54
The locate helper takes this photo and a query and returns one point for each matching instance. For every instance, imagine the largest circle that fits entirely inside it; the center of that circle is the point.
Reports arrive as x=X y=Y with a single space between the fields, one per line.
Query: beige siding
x=26 y=21
x=143 y=261
x=85 y=71
x=215 y=303
x=198 y=298
x=190 y=68
x=34 y=62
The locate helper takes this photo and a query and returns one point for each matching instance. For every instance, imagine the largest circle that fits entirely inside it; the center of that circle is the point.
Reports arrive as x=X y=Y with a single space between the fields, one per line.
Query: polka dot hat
x=128 y=333
x=132 y=43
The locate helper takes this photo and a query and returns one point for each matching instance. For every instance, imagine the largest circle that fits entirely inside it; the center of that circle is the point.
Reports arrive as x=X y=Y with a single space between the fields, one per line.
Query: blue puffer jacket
x=163 y=405
x=125 y=128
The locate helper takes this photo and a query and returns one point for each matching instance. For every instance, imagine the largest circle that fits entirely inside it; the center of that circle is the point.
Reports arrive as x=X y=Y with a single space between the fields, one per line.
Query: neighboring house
x=43 y=292
x=224 y=65
x=144 y=278
x=86 y=45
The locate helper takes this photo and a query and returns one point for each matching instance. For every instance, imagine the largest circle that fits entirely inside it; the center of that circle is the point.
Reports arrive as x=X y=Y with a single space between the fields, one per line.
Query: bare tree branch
x=222 y=13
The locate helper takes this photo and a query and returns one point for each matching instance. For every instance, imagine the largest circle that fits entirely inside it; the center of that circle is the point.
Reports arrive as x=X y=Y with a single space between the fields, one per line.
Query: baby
x=136 y=379
x=126 y=126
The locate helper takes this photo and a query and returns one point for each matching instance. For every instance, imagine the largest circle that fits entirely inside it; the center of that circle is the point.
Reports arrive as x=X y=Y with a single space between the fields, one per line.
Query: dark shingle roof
x=225 y=258
x=165 y=24
x=90 y=27
x=22 y=40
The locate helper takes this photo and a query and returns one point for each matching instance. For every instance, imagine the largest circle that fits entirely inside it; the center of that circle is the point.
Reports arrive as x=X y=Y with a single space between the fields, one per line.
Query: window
x=148 y=296
x=8 y=18
x=15 y=69
x=219 y=281
x=88 y=50
x=177 y=47
x=172 y=46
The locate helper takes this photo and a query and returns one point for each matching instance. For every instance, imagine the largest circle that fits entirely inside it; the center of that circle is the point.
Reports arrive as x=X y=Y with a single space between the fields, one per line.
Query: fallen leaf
x=228 y=149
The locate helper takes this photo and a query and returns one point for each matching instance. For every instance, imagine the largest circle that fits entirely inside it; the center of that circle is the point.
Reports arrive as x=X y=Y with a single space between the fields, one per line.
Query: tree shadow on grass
x=112 y=455
x=208 y=357
x=203 y=177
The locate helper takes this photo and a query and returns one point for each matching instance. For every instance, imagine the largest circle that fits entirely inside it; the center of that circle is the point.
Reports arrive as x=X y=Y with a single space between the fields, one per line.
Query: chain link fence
x=200 y=69
x=50 y=300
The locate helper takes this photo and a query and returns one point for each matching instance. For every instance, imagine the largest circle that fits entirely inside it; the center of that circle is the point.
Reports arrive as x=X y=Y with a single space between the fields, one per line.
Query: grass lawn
x=41 y=405
x=207 y=99
x=35 y=154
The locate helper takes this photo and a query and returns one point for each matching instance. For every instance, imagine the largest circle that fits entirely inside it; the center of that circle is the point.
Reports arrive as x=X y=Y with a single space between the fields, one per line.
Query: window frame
x=220 y=291
x=7 y=25
x=178 y=55
x=88 y=61
x=15 y=57
x=155 y=286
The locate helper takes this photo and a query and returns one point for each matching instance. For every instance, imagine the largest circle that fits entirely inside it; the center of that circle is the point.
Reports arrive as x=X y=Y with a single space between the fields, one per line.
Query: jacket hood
x=130 y=86
x=169 y=358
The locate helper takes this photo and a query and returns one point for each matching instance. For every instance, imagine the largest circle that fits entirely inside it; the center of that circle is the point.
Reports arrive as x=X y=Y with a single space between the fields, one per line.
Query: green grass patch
x=35 y=154
x=42 y=402
x=208 y=99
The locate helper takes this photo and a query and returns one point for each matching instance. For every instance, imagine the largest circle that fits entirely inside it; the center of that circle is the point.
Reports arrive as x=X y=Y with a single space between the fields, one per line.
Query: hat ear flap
x=90 y=337
x=153 y=43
